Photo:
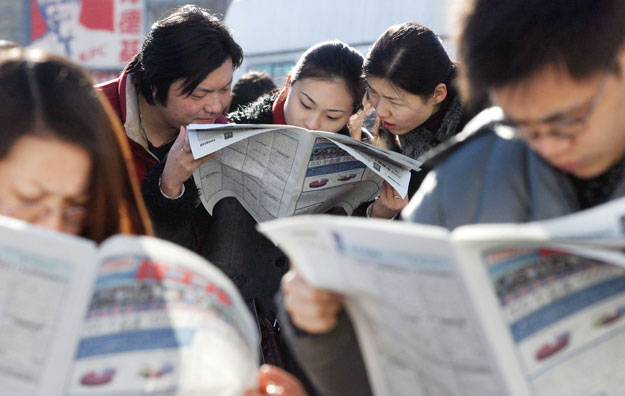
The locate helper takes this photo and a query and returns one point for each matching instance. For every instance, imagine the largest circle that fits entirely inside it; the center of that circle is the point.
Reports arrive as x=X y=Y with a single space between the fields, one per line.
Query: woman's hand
x=179 y=165
x=275 y=381
x=389 y=204
x=311 y=309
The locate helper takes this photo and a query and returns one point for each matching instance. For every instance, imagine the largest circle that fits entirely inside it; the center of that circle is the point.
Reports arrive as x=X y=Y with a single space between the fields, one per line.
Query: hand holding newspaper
x=281 y=170
x=135 y=316
x=515 y=309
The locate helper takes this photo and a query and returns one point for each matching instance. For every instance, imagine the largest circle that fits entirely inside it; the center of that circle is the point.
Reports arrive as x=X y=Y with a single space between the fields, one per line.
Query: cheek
x=290 y=112
x=225 y=98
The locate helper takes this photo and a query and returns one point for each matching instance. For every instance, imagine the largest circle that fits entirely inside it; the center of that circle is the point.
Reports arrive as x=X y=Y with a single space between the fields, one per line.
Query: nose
x=313 y=121
x=52 y=220
x=549 y=146
x=213 y=104
x=382 y=108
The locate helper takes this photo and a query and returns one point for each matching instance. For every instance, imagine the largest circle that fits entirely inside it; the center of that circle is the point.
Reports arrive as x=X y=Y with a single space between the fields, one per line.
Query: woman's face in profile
x=399 y=111
x=45 y=181
x=318 y=105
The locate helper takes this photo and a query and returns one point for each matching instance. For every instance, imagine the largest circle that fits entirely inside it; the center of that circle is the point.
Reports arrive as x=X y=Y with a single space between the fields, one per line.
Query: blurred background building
x=103 y=35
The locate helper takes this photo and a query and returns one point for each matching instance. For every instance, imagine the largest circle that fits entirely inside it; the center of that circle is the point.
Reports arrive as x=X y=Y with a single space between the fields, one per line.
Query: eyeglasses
x=32 y=212
x=566 y=128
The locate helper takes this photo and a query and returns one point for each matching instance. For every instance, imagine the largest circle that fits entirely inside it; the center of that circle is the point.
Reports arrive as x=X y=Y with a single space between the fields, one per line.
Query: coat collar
x=278 y=108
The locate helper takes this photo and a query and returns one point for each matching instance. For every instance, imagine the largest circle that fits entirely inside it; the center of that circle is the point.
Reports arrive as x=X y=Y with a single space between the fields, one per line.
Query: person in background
x=63 y=156
x=322 y=91
x=158 y=94
x=251 y=86
x=554 y=145
x=410 y=83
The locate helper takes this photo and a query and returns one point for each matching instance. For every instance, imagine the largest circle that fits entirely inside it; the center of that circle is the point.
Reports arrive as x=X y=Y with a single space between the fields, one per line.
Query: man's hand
x=179 y=165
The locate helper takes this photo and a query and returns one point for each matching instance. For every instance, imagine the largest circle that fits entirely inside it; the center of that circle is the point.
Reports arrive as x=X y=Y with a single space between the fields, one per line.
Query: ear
x=287 y=84
x=440 y=93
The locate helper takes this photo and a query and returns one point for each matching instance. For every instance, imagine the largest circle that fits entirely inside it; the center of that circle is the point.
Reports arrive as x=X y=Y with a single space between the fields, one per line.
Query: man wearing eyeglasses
x=554 y=144
x=556 y=71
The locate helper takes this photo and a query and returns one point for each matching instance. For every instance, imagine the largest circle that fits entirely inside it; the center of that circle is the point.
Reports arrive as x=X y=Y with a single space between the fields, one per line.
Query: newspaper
x=279 y=170
x=135 y=316
x=532 y=309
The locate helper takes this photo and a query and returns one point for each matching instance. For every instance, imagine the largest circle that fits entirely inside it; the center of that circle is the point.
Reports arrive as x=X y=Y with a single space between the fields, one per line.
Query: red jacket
x=115 y=92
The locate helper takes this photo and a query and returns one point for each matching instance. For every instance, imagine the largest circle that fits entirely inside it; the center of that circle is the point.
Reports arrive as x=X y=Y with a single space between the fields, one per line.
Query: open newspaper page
x=391 y=166
x=45 y=282
x=416 y=325
x=163 y=321
x=277 y=170
x=555 y=293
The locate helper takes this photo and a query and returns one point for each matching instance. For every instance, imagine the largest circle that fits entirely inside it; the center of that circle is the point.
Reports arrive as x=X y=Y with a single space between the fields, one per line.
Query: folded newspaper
x=136 y=316
x=281 y=170
x=532 y=309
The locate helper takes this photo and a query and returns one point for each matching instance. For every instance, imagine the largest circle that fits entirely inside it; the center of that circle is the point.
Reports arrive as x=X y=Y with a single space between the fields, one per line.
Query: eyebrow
x=315 y=103
x=551 y=118
x=198 y=88
x=393 y=98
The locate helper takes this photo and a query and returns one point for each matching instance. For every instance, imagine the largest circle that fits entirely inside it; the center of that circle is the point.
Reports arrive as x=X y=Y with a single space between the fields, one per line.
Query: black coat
x=228 y=238
x=252 y=261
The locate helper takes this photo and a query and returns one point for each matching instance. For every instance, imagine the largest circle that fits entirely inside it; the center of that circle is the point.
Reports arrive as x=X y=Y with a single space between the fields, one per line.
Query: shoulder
x=111 y=91
x=476 y=177
x=258 y=112
x=109 y=88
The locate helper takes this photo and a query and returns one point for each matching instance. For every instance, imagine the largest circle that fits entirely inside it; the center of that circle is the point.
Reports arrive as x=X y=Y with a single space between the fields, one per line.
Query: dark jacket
x=478 y=178
x=256 y=264
x=253 y=262
x=182 y=220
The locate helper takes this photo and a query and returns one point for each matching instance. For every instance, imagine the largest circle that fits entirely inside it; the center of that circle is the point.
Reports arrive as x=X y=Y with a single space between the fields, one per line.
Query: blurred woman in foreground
x=63 y=157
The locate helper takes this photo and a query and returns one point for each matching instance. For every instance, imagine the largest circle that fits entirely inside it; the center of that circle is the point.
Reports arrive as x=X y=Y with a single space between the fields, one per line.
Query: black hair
x=411 y=57
x=505 y=41
x=251 y=86
x=333 y=60
x=189 y=44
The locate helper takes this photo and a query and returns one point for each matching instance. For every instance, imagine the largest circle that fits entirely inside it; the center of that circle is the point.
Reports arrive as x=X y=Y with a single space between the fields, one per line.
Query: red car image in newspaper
x=607 y=319
x=93 y=378
x=318 y=183
x=550 y=349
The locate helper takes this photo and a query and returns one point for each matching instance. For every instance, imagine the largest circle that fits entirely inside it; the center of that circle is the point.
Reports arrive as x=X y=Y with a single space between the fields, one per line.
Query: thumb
x=181 y=135
x=281 y=382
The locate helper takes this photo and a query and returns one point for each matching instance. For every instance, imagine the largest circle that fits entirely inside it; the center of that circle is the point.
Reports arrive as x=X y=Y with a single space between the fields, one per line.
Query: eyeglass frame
x=554 y=132
x=65 y=213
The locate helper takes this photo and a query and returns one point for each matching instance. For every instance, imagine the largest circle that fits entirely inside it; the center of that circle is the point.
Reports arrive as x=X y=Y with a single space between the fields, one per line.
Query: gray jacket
x=483 y=178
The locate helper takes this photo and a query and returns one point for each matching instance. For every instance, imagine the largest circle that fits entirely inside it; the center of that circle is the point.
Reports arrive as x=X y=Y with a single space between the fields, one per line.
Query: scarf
x=422 y=138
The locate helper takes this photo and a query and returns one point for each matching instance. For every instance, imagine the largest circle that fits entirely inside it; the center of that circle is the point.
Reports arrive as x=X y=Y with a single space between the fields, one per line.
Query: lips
x=568 y=167
x=388 y=125
x=204 y=120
